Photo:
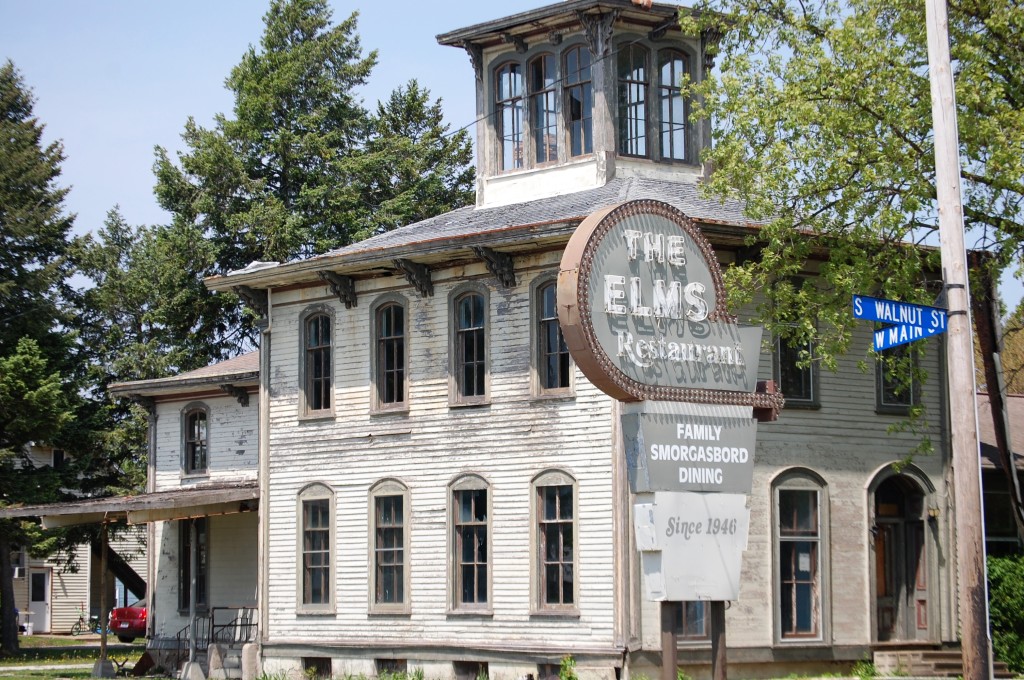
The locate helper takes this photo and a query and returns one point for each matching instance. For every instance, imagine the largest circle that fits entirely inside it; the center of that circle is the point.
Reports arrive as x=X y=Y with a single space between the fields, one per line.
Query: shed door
x=39 y=600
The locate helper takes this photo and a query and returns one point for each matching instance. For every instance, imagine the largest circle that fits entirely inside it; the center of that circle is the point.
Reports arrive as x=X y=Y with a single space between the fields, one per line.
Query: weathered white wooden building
x=441 y=489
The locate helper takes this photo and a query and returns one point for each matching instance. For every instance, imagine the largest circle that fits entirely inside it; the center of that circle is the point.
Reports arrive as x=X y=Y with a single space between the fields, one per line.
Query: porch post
x=193 y=562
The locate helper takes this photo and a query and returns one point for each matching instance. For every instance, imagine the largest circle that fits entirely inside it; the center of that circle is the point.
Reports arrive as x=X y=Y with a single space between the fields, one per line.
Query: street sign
x=910 y=322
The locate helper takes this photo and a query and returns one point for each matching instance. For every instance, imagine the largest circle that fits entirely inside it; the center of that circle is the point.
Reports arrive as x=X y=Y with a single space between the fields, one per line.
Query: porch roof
x=213 y=499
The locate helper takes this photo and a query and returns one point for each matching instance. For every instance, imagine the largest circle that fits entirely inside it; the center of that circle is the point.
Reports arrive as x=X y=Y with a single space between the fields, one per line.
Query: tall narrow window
x=318 y=362
x=557 y=544
x=554 y=364
x=390 y=550
x=799 y=545
x=470 y=347
x=508 y=92
x=794 y=372
x=316 y=551
x=390 y=354
x=579 y=101
x=195 y=440
x=471 y=546
x=545 y=112
x=185 y=562
x=672 y=65
x=633 y=82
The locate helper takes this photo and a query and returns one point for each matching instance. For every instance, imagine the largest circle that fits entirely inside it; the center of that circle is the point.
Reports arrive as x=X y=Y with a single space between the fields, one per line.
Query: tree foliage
x=271 y=183
x=1013 y=351
x=1006 y=609
x=823 y=127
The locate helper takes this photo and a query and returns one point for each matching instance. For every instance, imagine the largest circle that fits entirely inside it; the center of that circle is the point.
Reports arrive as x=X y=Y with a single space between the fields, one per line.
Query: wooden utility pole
x=970 y=544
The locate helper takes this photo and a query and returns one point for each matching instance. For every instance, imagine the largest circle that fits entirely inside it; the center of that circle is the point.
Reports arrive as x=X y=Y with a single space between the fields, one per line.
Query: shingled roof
x=243 y=369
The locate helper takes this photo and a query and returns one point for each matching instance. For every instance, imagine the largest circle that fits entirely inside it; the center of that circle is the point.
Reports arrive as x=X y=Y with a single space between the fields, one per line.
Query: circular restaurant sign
x=642 y=308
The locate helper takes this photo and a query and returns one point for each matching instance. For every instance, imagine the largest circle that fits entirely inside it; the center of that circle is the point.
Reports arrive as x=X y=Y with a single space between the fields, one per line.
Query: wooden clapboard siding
x=232 y=449
x=507 y=442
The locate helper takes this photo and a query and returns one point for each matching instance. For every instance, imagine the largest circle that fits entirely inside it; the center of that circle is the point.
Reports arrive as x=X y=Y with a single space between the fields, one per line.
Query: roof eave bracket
x=499 y=264
x=239 y=393
x=343 y=287
x=418 y=276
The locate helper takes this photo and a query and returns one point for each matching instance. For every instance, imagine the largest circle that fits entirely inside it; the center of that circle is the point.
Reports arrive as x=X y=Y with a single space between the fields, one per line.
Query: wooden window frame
x=578 y=81
x=385 y=489
x=883 y=381
x=671 y=91
x=380 y=373
x=457 y=491
x=515 y=142
x=539 y=331
x=633 y=94
x=782 y=363
x=185 y=564
x=544 y=109
x=801 y=480
x=188 y=442
x=321 y=494
x=458 y=344
x=308 y=381
x=553 y=479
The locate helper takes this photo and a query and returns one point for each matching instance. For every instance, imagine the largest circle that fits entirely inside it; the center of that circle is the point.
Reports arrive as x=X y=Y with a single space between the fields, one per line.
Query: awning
x=149 y=507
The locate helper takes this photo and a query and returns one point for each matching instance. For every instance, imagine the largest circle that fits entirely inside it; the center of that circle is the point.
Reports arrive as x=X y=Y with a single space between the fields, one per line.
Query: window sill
x=315 y=612
x=802 y=405
x=572 y=613
x=463 y=613
x=314 y=416
x=402 y=410
x=469 y=404
x=195 y=476
x=902 y=411
x=397 y=612
x=560 y=395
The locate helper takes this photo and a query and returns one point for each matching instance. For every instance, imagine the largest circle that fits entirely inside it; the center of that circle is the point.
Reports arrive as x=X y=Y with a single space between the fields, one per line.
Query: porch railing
x=232 y=626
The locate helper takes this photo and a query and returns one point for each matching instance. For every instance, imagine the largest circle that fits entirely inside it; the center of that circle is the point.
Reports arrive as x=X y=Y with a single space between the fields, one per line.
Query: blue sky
x=114 y=78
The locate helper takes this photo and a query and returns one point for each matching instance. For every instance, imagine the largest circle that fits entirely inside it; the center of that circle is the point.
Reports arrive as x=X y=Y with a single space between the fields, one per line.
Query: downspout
x=263 y=430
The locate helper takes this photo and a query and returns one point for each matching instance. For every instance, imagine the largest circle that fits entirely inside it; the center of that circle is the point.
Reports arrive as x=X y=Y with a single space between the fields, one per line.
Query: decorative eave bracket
x=476 y=58
x=520 y=44
x=598 y=29
x=418 y=275
x=709 y=39
x=499 y=264
x=239 y=393
x=344 y=287
x=256 y=299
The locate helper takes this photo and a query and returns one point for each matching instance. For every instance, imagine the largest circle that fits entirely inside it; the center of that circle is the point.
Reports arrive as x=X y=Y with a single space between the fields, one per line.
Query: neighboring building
x=1000 y=530
x=443 y=489
x=50 y=596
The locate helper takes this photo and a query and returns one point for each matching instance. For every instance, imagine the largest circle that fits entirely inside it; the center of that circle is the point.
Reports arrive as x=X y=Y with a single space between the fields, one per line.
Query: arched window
x=470 y=347
x=317 y=364
x=634 y=79
x=390 y=354
x=672 y=64
x=316 y=545
x=389 y=519
x=195 y=439
x=508 y=93
x=543 y=100
x=554 y=366
x=800 y=508
x=471 y=543
x=557 y=566
x=579 y=101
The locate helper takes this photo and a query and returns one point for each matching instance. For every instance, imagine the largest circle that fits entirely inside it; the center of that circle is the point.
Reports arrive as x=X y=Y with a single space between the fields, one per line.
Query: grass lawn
x=64 y=649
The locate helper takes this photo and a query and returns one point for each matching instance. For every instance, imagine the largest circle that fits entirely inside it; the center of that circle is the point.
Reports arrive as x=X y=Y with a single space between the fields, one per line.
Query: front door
x=39 y=600
x=901 y=561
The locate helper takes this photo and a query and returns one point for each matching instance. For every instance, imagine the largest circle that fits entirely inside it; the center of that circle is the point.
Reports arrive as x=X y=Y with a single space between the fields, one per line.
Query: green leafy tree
x=412 y=167
x=823 y=127
x=1006 y=609
x=1013 y=351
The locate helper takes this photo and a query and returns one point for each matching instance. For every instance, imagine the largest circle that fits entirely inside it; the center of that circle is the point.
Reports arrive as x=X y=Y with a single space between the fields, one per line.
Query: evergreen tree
x=272 y=183
x=36 y=350
x=412 y=168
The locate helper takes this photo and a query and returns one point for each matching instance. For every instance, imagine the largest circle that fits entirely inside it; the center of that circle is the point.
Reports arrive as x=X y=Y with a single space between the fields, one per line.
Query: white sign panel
x=691 y=544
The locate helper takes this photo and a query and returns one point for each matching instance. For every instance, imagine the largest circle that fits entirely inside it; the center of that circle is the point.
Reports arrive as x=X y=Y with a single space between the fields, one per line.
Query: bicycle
x=83 y=624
